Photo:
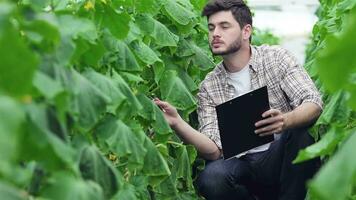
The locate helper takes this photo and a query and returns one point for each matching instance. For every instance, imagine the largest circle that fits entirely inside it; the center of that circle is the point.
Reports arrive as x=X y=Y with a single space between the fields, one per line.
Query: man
x=264 y=172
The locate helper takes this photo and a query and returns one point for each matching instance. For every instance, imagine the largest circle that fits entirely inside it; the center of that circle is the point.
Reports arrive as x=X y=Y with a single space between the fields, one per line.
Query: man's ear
x=246 y=32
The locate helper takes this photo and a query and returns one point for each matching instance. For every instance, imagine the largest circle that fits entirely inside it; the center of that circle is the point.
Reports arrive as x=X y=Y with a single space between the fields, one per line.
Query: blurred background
x=290 y=20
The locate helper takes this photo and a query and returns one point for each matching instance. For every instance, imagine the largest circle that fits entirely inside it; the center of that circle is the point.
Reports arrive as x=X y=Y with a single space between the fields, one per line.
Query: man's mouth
x=217 y=44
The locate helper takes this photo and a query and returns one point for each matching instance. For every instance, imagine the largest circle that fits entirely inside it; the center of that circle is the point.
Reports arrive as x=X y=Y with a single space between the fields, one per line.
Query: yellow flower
x=89 y=5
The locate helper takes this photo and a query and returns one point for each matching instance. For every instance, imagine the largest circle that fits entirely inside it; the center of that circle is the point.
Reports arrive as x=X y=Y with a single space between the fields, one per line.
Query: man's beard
x=232 y=48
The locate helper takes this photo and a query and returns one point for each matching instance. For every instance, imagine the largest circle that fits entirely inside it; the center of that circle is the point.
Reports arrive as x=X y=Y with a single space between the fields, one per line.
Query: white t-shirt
x=241 y=81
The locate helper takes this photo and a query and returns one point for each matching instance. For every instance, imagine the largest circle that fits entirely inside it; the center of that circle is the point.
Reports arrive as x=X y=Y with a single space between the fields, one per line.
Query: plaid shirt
x=288 y=85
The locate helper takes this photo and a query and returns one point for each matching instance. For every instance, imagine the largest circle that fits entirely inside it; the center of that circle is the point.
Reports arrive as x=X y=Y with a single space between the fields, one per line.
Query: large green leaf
x=336 y=179
x=144 y=52
x=201 y=58
x=182 y=166
x=148 y=6
x=107 y=86
x=10 y=193
x=94 y=54
x=11 y=118
x=43 y=30
x=65 y=186
x=162 y=35
x=179 y=13
x=46 y=85
x=174 y=91
x=325 y=146
x=155 y=165
x=167 y=189
x=95 y=167
x=42 y=142
x=337 y=63
x=75 y=27
x=336 y=110
x=120 y=139
x=152 y=113
x=135 y=105
x=140 y=183
x=126 y=60
x=126 y=192
x=89 y=101
x=117 y=23
x=12 y=47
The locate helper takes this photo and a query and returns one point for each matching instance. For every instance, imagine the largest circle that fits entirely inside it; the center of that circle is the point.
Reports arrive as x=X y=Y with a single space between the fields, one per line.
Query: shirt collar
x=253 y=62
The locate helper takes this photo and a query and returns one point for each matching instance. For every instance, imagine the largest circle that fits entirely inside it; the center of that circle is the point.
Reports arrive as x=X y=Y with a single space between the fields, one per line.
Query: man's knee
x=214 y=180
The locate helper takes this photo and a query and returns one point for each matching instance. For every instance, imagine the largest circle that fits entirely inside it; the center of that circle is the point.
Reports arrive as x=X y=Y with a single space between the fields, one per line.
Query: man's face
x=225 y=35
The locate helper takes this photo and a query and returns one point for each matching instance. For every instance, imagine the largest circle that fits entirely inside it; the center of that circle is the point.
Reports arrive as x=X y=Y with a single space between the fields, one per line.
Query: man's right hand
x=170 y=112
x=204 y=145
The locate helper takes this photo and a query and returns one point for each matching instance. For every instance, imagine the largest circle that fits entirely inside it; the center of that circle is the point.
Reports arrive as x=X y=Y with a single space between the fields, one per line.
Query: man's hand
x=204 y=145
x=274 y=123
x=170 y=112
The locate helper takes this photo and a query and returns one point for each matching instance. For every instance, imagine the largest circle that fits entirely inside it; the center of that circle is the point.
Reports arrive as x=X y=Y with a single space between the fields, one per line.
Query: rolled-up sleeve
x=208 y=124
x=296 y=82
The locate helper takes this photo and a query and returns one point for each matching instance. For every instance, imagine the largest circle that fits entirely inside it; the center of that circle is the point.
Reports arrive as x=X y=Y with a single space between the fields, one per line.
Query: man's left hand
x=274 y=122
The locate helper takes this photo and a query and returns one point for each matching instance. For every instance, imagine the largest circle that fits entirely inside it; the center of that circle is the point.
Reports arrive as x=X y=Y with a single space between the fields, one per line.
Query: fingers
x=164 y=106
x=271 y=112
x=161 y=104
x=269 y=120
x=271 y=129
x=272 y=124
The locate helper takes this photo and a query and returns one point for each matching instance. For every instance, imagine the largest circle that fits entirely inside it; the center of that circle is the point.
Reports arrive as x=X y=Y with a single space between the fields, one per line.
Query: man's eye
x=225 y=27
x=211 y=28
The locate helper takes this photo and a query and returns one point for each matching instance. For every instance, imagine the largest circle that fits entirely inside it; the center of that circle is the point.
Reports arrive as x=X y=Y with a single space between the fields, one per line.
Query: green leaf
x=337 y=63
x=325 y=146
x=199 y=4
x=140 y=184
x=12 y=47
x=336 y=178
x=126 y=60
x=155 y=165
x=94 y=54
x=95 y=167
x=117 y=23
x=46 y=85
x=167 y=189
x=107 y=86
x=126 y=192
x=134 y=33
x=67 y=187
x=120 y=139
x=125 y=89
x=42 y=142
x=154 y=114
x=89 y=102
x=182 y=164
x=201 y=59
x=144 y=52
x=162 y=35
x=10 y=193
x=174 y=91
x=336 y=110
x=74 y=27
x=43 y=29
x=179 y=13
x=148 y=6
x=12 y=116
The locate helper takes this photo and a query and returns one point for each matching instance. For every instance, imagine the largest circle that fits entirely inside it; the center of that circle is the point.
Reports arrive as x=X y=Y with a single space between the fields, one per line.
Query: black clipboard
x=236 y=121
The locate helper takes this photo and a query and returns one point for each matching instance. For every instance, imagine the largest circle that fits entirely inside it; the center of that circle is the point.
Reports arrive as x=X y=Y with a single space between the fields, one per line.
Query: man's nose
x=216 y=33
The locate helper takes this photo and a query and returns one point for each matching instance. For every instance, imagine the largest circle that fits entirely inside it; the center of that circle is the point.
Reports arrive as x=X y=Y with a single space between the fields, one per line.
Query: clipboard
x=236 y=122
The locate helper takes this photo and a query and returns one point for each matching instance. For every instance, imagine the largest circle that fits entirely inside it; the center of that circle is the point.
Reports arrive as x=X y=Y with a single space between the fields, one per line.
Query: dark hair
x=239 y=10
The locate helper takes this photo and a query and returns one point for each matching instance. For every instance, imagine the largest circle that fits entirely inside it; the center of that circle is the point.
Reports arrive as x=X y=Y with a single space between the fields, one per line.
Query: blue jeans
x=267 y=175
